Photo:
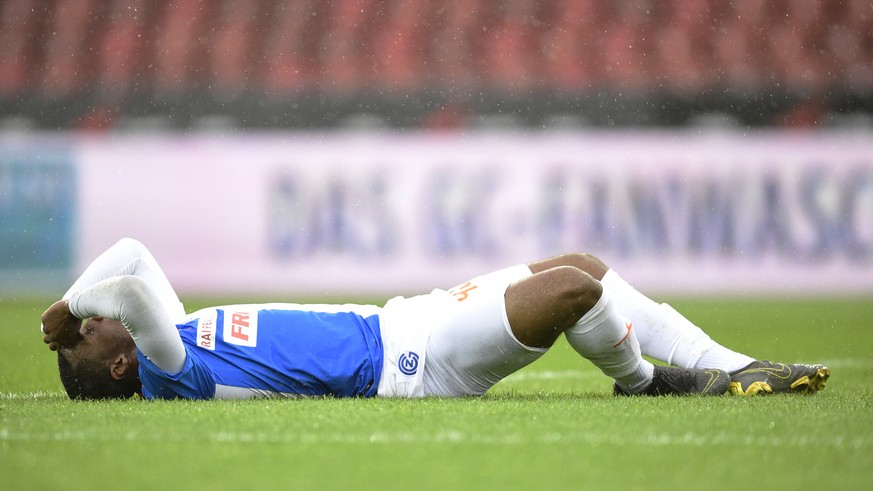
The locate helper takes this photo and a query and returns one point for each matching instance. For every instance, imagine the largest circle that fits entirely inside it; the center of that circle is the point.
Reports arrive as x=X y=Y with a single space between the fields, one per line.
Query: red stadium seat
x=232 y=43
x=66 y=63
x=286 y=60
x=179 y=57
x=175 y=48
x=399 y=47
x=19 y=26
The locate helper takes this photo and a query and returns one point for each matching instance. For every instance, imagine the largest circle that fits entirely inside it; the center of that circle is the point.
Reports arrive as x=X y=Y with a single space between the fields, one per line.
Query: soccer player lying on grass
x=137 y=338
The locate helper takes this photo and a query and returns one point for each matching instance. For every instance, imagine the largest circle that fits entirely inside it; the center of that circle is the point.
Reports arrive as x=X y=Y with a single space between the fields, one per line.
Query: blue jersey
x=273 y=350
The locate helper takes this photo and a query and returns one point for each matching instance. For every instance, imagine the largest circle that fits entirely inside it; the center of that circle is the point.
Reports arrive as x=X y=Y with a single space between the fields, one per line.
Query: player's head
x=102 y=365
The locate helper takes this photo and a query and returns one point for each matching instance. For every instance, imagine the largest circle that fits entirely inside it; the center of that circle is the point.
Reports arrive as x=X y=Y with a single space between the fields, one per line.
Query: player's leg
x=470 y=346
x=666 y=335
x=663 y=333
x=569 y=299
x=506 y=320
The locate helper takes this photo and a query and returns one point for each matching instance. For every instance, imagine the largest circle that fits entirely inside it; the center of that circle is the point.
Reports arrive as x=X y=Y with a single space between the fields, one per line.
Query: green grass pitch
x=551 y=426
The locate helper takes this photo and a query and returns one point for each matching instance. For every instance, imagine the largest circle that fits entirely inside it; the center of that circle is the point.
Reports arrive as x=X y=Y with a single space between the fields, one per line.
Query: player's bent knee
x=588 y=263
x=579 y=260
x=576 y=288
x=540 y=307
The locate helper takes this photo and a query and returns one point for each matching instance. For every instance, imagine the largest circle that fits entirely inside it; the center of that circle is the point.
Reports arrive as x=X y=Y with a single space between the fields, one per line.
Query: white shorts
x=452 y=342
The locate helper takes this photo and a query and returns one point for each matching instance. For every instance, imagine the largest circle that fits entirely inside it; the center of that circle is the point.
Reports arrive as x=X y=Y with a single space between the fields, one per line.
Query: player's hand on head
x=60 y=328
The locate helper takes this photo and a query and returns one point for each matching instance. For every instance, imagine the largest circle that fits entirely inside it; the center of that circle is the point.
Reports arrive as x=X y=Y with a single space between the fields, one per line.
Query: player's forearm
x=130 y=300
x=130 y=257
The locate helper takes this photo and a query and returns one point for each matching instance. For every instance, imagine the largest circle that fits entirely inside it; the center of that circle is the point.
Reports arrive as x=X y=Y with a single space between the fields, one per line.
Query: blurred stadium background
x=179 y=64
x=309 y=146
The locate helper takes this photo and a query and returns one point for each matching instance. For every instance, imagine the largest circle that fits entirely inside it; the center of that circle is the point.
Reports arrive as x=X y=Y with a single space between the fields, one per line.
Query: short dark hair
x=88 y=379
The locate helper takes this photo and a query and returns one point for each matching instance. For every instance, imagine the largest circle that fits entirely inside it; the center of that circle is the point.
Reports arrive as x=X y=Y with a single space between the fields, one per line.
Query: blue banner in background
x=37 y=211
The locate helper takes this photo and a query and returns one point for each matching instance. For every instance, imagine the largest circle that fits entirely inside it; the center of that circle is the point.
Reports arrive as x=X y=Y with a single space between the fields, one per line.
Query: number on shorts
x=462 y=292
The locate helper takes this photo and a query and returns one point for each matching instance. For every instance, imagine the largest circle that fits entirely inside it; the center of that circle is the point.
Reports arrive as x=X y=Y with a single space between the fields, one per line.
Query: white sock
x=602 y=337
x=666 y=335
x=720 y=357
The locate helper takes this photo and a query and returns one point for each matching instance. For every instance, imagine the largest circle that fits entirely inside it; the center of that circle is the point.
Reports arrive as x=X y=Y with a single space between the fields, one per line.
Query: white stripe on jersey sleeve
x=231 y=392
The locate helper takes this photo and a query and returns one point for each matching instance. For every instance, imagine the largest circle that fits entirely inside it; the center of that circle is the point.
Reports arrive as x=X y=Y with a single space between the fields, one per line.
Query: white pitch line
x=533 y=374
x=837 y=363
x=552 y=375
x=523 y=375
x=458 y=437
x=30 y=395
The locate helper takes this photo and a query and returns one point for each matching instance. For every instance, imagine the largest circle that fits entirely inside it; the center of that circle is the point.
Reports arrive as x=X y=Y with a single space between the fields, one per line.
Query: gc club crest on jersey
x=408 y=363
